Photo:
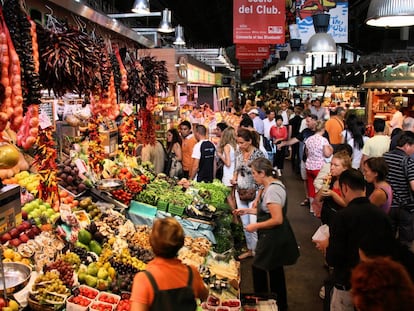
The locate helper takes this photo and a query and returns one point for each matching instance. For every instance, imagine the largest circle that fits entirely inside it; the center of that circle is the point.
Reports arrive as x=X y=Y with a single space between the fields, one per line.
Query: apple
x=5 y=237
x=21 y=227
x=26 y=224
x=31 y=233
x=3 y=303
x=14 y=233
x=36 y=230
x=24 y=215
x=24 y=238
x=15 y=242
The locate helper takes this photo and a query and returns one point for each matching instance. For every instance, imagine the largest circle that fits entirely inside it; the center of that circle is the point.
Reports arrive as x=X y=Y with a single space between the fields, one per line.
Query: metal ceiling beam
x=103 y=20
x=128 y=15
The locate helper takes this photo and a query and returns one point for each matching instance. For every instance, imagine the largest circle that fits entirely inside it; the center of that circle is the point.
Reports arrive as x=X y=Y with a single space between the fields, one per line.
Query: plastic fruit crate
x=162 y=206
x=101 y=306
x=108 y=298
x=176 y=210
x=71 y=306
x=93 y=292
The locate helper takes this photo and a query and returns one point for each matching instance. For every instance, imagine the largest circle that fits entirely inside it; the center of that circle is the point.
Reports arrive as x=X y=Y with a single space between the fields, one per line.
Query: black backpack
x=176 y=299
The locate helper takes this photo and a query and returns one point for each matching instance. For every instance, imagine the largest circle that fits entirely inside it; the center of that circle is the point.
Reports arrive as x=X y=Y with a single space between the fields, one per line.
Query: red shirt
x=278 y=132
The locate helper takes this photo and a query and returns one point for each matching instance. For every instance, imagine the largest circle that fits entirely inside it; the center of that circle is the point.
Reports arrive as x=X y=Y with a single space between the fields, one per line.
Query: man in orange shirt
x=335 y=125
x=187 y=147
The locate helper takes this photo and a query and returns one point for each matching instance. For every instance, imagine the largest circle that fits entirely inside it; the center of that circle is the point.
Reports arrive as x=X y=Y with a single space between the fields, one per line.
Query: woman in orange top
x=171 y=277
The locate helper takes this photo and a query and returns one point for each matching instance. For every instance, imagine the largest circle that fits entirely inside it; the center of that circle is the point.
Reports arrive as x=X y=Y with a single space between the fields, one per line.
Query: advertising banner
x=259 y=21
x=338 y=23
x=252 y=51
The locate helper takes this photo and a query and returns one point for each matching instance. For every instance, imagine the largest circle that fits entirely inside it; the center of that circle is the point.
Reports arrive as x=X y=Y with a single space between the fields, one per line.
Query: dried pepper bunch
x=146 y=77
x=128 y=130
x=96 y=152
x=70 y=61
x=45 y=160
x=147 y=126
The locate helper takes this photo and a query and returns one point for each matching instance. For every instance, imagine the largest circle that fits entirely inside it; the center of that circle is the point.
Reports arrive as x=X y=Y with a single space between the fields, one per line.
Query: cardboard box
x=10 y=207
x=110 y=141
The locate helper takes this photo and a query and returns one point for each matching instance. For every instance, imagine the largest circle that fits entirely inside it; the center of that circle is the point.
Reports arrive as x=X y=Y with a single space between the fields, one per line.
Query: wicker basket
x=37 y=306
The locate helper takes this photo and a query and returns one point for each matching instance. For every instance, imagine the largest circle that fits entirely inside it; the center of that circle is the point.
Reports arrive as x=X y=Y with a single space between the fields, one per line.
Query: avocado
x=95 y=247
x=84 y=236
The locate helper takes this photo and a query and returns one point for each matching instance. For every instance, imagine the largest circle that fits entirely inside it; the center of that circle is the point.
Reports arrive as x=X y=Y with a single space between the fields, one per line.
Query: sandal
x=246 y=255
x=305 y=202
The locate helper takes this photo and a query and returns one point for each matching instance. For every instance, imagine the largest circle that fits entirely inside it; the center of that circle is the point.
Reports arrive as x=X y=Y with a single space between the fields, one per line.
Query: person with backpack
x=203 y=156
x=167 y=284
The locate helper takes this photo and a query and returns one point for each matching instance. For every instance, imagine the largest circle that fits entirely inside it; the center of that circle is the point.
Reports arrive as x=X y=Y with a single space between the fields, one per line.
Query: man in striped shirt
x=401 y=178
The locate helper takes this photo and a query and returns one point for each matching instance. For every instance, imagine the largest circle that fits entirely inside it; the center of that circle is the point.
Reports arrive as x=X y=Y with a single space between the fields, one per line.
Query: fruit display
x=68 y=175
x=65 y=270
x=25 y=179
x=49 y=288
x=41 y=212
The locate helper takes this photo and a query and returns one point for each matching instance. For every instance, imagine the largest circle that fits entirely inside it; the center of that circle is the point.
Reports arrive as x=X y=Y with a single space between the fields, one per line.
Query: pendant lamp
x=141 y=7
x=179 y=36
x=390 y=13
x=295 y=58
x=165 y=25
x=321 y=42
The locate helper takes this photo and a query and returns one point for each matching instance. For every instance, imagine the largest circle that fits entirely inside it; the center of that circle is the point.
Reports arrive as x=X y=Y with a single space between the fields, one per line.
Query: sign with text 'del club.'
x=259 y=21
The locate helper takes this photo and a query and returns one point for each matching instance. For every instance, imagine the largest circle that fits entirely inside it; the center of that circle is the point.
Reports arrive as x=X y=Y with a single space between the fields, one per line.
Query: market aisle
x=306 y=277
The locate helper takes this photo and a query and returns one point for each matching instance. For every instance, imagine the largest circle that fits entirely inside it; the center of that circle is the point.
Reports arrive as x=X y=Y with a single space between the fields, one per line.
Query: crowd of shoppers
x=355 y=184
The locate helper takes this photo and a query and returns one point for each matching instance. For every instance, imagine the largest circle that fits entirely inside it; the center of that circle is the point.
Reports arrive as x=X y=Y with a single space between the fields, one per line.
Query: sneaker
x=322 y=292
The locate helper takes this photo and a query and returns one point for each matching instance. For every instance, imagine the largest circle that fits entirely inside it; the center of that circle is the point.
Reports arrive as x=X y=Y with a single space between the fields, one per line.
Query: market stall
x=78 y=202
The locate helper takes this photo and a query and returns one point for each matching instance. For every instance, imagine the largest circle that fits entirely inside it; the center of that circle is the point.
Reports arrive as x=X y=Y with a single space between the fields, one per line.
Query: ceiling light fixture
x=141 y=7
x=295 y=58
x=165 y=25
x=179 y=36
x=321 y=42
x=390 y=13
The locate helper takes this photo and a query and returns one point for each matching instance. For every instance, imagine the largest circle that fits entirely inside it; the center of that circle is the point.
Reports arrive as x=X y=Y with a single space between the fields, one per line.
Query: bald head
x=408 y=124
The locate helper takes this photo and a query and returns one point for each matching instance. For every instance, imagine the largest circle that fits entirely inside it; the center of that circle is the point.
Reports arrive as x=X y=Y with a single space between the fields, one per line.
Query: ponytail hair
x=264 y=165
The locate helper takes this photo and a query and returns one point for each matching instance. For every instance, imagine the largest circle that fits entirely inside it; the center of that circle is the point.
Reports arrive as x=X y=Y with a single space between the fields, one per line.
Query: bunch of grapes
x=72 y=259
x=65 y=270
x=48 y=286
x=141 y=253
x=84 y=256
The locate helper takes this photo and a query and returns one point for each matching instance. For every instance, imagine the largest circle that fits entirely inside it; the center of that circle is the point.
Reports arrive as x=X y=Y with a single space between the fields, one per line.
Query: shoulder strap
x=190 y=276
x=152 y=281
x=405 y=168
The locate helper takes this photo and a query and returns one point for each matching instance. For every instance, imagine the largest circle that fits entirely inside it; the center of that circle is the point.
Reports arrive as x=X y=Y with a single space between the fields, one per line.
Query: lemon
x=9 y=253
x=13 y=305
x=7 y=260
x=26 y=261
x=17 y=257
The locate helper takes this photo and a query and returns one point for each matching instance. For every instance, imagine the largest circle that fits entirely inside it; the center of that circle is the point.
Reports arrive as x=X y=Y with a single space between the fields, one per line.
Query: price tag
x=80 y=164
x=44 y=120
x=128 y=110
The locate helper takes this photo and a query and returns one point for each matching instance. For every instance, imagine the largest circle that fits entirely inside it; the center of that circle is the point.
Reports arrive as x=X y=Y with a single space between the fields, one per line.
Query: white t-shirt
x=356 y=153
x=266 y=127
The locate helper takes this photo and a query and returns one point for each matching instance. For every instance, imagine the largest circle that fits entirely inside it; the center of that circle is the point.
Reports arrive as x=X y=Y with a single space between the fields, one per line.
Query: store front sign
x=252 y=51
x=283 y=85
x=302 y=81
x=338 y=23
x=200 y=76
x=399 y=72
x=259 y=21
